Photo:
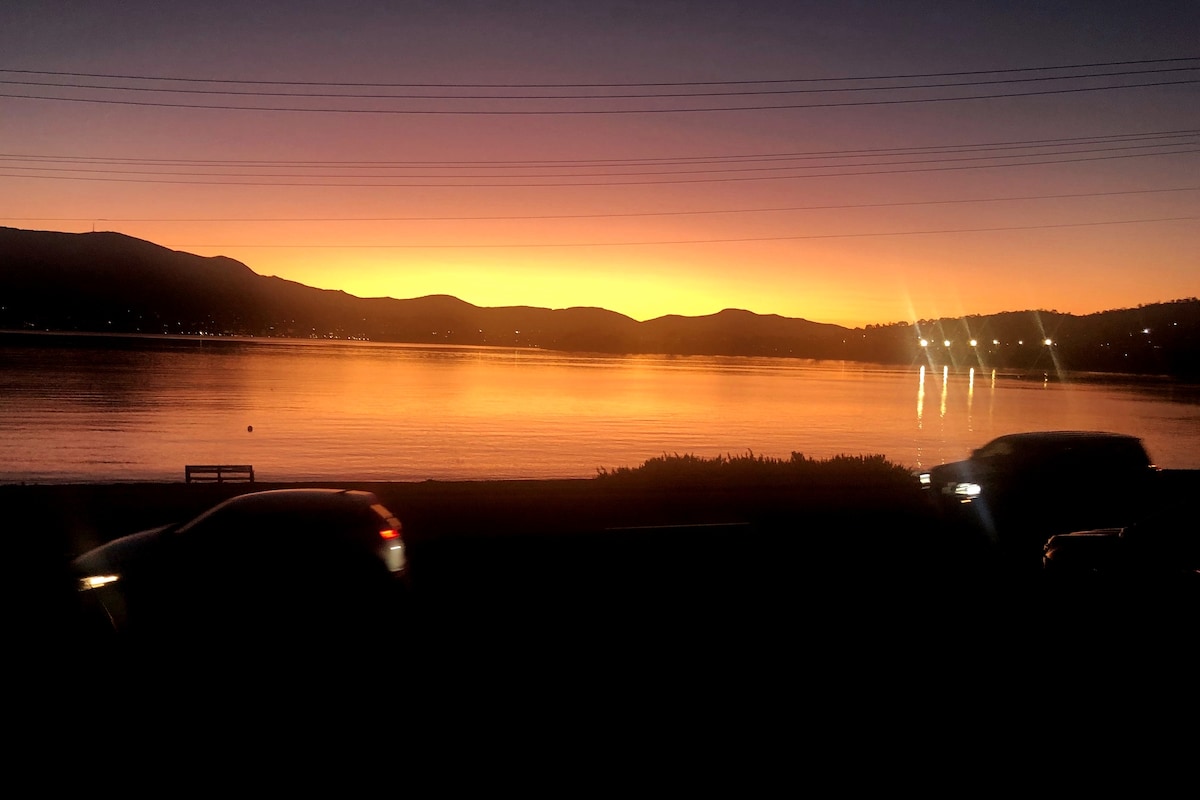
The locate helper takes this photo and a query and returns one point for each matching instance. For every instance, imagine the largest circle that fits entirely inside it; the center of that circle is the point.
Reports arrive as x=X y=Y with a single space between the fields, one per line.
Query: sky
x=849 y=162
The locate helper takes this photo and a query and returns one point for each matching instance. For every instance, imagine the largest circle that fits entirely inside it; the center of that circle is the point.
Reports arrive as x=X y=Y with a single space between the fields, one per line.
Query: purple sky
x=849 y=204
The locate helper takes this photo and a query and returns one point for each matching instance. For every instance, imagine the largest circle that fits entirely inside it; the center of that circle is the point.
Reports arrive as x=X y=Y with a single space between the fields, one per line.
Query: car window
x=994 y=450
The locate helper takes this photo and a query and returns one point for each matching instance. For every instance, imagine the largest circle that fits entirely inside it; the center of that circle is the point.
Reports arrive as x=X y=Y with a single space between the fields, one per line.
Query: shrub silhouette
x=751 y=468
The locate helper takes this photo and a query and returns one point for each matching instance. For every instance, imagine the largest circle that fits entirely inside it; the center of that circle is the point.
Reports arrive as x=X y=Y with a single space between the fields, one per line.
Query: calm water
x=140 y=409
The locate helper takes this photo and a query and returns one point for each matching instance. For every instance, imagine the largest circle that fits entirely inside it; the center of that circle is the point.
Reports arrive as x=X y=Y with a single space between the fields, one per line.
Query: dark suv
x=1025 y=487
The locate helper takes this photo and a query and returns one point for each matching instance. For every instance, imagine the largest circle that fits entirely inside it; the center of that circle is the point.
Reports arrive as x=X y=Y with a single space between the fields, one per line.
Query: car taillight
x=389 y=533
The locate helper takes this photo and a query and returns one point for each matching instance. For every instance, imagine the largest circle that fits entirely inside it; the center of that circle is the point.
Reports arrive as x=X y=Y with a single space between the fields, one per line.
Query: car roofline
x=287 y=498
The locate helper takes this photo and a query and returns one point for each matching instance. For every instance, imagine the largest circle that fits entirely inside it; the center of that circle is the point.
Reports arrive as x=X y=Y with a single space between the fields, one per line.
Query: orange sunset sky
x=855 y=163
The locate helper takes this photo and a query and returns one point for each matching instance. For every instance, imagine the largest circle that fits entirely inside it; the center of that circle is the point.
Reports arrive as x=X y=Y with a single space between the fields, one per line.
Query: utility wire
x=710 y=171
x=590 y=97
x=551 y=184
x=542 y=245
x=1031 y=144
x=597 y=111
x=901 y=76
x=698 y=212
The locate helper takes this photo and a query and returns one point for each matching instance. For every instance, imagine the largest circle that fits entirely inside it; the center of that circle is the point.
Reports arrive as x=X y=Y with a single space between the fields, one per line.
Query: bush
x=750 y=468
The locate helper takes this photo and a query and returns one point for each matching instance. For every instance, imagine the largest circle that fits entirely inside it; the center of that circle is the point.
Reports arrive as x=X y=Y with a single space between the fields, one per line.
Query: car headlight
x=967 y=491
x=924 y=478
x=90 y=582
x=395 y=557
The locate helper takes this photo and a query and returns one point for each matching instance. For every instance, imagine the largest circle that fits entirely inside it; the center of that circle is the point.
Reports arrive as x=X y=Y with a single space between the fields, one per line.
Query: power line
x=777 y=209
x=588 y=97
x=553 y=184
x=1093 y=139
x=535 y=175
x=625 y=162
x=597 y=111
x=542 y=245
x=710 y=171
x=900 y=76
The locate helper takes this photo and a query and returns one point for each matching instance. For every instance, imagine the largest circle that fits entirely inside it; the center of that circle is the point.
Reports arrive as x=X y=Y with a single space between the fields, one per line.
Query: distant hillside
x=109 y=282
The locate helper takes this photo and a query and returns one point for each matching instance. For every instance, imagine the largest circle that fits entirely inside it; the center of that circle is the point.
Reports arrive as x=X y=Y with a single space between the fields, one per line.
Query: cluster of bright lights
x=975 y=342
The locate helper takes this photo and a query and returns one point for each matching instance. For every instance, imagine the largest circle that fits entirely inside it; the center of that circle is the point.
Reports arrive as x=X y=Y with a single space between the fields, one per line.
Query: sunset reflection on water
x=354 y=411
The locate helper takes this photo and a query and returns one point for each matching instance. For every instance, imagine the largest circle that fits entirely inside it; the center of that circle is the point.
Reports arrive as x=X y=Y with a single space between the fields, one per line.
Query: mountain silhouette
x=112 y=283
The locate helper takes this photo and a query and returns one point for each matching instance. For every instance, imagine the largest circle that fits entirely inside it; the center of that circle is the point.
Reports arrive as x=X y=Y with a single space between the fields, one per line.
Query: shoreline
x=1032 y=372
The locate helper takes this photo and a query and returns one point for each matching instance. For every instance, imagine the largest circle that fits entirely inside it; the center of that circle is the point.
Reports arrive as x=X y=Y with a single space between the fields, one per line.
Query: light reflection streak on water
x=945 y=389
x=971 y=400
x=921 y=400
x=992 y=400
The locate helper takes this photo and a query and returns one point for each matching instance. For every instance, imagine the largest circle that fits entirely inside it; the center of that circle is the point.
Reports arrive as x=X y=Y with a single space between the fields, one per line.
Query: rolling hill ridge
x=110 y=282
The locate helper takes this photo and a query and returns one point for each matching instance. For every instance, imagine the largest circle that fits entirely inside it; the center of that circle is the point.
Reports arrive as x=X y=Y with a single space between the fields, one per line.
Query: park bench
x=218 y=473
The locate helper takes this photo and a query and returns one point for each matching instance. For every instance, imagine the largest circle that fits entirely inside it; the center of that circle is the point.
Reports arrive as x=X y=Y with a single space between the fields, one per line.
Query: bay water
x=114 y=409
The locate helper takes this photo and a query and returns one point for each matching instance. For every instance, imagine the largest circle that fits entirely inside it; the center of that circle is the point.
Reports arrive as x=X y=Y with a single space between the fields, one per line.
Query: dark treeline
x=108 y=282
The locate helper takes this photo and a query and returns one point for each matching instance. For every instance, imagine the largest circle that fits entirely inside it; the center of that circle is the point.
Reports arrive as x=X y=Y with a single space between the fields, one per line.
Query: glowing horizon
x=816 y=193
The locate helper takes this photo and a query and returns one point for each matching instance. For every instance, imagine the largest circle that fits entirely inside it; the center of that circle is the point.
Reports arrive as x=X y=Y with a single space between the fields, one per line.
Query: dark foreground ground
x=585 y=604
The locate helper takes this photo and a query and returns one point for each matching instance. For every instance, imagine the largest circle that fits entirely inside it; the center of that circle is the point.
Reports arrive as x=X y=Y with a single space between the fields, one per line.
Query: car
x=1162 y=548
x=296 y=560
x=1022 y=488
x=1138 y=584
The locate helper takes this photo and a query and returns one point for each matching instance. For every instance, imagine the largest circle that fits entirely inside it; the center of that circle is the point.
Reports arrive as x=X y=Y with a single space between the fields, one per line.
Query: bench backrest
x=194 y=473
